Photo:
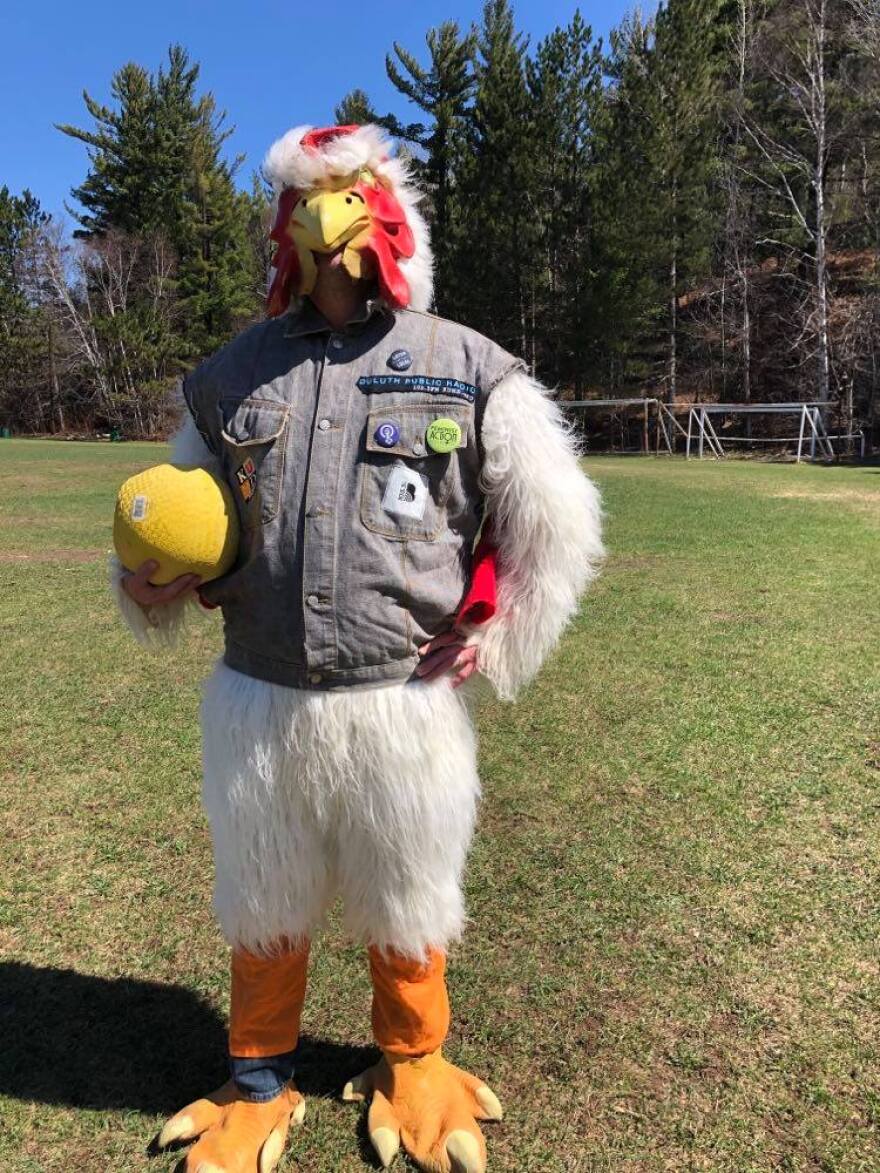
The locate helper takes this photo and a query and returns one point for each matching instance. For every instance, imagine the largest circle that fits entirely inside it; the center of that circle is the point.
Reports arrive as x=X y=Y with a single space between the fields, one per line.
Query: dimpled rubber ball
x=184 y=518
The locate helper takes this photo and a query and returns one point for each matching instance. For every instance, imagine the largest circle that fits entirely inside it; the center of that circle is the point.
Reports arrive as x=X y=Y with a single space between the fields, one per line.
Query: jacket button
x=312 y=600
x=324 y=425
x=315 y=678
x=337 y=343
x=419 y=448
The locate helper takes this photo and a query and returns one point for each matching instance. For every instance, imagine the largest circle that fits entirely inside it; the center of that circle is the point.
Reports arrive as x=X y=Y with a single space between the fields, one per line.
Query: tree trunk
x=824 y=372
x=746 y=340
x=57 y=405
x=673 y=328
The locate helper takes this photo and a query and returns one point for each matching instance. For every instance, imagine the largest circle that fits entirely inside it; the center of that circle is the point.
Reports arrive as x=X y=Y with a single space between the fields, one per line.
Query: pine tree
x=23 y=339
x=565 y=82
x=257 y=216
x=441 y=91
x=157 y=165
x=626 y=238
x=124 y=188
x=686 y=150
x=495 y=227
x=355 y=109
x=658 y=184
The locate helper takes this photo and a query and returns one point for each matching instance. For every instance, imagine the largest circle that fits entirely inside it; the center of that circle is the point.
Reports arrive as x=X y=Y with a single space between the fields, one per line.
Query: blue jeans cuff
x=260 y=1080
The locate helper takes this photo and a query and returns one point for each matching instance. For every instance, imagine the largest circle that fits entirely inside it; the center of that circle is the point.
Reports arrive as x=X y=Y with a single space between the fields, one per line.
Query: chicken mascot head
x=412 y=511
x=340 y=192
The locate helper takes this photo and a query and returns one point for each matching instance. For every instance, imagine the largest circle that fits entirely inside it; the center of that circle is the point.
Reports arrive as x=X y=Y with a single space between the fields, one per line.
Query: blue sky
x=270 y=65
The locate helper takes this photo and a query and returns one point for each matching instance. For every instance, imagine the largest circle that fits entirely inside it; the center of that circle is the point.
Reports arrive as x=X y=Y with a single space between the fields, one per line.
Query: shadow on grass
x=124 y=1044
x=323 y=1067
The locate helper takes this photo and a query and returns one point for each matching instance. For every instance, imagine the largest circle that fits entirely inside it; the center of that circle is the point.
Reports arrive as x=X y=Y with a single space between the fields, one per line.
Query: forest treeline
x=691 y=211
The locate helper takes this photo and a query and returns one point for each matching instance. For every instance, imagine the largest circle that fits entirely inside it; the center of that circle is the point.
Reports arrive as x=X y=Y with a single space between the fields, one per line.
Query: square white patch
x=139 y=508
x=406 y=493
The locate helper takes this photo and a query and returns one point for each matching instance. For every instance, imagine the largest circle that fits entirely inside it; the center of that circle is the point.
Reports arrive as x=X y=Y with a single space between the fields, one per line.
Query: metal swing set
x=700 y=436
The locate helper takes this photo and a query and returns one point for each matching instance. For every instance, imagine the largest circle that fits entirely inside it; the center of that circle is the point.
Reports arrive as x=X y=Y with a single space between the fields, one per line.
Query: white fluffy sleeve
x=546 y=525
x=160 y=627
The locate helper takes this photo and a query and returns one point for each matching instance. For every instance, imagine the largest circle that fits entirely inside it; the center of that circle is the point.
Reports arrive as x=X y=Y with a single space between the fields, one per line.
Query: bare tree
x=115 y=301
x=794 y=149
x=739 y=223
x=865 y=26
x=61 y=270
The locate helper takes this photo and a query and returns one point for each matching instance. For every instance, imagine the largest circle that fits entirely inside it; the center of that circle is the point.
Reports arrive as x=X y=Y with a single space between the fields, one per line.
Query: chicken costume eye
x=335 y=192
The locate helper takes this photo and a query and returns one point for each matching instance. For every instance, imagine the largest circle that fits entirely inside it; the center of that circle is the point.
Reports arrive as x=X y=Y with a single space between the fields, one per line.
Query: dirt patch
x=863 y=501
x=16 y=557
x=45 y=480
x=27 y=521
x=851 y=496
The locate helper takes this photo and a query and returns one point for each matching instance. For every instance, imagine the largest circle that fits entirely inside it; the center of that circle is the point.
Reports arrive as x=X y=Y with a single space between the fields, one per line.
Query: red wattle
x=387 y=212
x=287 y=274
x=382 y=204
x=404 y=241
x=286 y=261
x=392 y=284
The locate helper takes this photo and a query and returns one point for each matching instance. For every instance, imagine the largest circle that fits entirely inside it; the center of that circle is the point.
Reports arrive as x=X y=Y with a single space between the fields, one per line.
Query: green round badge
x=443 y=435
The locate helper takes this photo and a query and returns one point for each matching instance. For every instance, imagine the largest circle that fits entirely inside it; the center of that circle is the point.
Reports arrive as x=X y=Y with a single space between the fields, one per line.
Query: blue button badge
x=387 y=434
x=400 y=360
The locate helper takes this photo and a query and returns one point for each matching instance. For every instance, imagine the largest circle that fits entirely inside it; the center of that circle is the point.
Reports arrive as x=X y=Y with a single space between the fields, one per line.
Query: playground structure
x=620 y=412
x=701 y=438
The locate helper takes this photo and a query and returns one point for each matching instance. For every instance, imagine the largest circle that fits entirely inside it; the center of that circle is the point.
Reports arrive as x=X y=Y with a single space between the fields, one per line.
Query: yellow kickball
x=184 y=518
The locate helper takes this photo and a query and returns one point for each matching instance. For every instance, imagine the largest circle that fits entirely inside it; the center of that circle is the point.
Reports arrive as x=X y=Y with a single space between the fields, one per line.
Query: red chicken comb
x=318 y=138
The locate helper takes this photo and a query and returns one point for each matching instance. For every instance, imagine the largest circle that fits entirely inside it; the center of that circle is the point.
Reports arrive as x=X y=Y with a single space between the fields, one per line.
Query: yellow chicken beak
x=324 y=220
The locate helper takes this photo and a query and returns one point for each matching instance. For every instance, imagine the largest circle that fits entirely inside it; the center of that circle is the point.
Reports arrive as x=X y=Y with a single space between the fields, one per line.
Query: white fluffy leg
x=271 y=869
x=374 y=787
x=405 y=827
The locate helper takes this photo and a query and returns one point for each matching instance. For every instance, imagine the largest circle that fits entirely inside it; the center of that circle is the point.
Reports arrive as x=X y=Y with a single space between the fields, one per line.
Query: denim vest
x=357 y=527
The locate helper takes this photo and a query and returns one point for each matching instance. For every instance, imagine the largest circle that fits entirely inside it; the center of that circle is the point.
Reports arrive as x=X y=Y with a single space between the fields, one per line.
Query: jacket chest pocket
x=409 y=466
x=254 y=434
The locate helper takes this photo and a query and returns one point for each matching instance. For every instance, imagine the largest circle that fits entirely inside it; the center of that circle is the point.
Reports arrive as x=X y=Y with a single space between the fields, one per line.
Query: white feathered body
x=372 y=792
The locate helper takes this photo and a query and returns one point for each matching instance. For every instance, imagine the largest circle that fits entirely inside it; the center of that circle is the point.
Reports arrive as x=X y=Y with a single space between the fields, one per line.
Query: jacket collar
x=308 y=319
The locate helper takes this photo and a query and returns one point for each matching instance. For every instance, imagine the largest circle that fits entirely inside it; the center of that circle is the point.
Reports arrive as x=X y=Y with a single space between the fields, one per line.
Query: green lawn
x=673 y=960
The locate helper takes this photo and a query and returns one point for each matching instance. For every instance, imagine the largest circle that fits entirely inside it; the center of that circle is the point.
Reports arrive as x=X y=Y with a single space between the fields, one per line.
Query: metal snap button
x=315 y=678
x=418 y=448
x=337 y=343
x=312 y=600
x=324 y=425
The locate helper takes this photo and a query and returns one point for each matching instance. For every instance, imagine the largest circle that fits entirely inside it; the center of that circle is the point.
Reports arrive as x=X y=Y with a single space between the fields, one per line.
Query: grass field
x=673 y=960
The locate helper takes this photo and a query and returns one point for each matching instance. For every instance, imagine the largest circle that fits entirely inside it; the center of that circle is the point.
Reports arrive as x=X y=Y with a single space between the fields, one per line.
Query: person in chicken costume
x=368 y=444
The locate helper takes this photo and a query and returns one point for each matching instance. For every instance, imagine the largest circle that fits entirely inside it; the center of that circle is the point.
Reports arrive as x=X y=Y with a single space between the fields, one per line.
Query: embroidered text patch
x=426 y=384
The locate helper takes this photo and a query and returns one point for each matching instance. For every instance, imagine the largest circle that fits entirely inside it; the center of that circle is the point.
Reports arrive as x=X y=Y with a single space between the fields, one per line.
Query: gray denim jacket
x=357 y=534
